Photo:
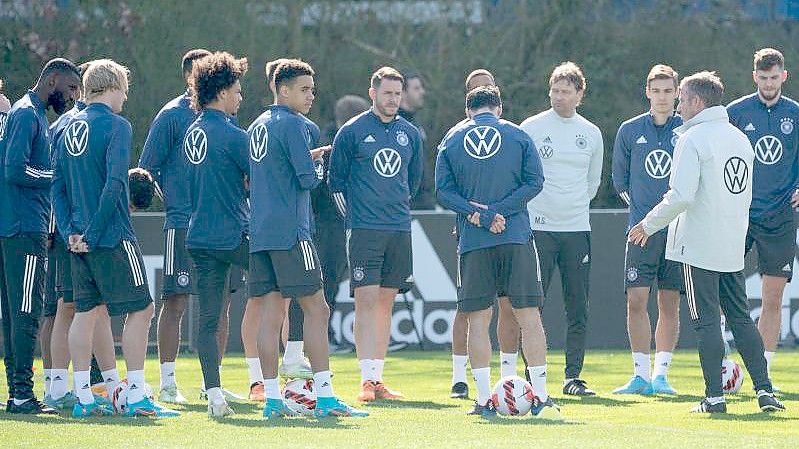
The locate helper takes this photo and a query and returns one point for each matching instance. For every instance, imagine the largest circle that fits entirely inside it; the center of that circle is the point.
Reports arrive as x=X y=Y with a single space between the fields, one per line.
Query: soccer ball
x=119 y=398
x=299 y=396
x=513 y=396
x=732 y=376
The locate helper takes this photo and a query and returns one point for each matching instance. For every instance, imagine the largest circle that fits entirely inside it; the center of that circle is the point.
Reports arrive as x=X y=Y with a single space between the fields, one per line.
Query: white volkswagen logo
x=77 y=137
x=482 y=142
x=258 y=140
x=736 y=175
x=768 y=150
x=658 y=164
x=3 y=118
x=387 y=162
x=196 y=146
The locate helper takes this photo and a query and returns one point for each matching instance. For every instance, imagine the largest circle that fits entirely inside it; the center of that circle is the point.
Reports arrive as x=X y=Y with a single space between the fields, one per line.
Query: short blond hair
x=569 y=72
x=662 y=72
x=103 y=75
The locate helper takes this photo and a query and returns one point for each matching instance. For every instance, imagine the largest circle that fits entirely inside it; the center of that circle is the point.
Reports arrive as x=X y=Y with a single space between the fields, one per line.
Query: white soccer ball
x=119 y=398
x=732 y=376
x=299 y=396
x=513 y=396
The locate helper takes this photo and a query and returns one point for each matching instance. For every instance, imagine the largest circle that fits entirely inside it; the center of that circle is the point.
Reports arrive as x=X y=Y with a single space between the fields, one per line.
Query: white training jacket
x=571 y=151
x=710 y=190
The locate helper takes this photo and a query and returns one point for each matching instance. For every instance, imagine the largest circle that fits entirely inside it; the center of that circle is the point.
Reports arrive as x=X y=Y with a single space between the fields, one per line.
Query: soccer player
x=642 y=160
x=284 y=168
x=375 y=168
x=91 y=206
x=769 y=119
x=162 y=156
x=706 y=209
x=62 y=306
x=487 y=171
x=25 y=201
x=217 y=234
x=571 y=151
x=507 y=328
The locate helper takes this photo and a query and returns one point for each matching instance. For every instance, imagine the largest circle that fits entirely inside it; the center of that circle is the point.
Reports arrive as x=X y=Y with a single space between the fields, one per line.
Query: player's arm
x=532 y=182
x=240 y=152
x=62 y=208
x=160 y=140
x=683 y=185
x=621 y=166
x=595 y=166
x=416 y=166
x=117 y=160
x=19 y=134
x=338 y=171
x=446 y=188
x=308 y=171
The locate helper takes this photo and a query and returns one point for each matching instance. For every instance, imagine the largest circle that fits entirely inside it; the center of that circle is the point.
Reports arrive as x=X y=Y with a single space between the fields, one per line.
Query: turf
x=428 y=418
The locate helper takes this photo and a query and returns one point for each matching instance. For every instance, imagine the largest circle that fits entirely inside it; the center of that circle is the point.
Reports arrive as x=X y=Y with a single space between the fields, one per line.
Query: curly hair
x=141 y=188
x=212 y=74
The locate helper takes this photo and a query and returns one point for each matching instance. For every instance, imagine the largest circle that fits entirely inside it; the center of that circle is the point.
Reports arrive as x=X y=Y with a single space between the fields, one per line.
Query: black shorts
x=775 y=239
x=177 y=264
x=24 y=270
x=642 y=266
x=383 y=258
x=295 y=272
x=237 y=279
x=510 y=270
x=111 y=276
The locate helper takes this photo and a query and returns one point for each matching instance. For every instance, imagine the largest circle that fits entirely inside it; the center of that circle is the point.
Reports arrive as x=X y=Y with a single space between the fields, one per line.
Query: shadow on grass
x=754 y=417
x=680 y=398
x=238 y=407
x=68 y=419
x=427 y=405
x=597 y=400
x=785 y=396
x=297 y=422
x=526 y=421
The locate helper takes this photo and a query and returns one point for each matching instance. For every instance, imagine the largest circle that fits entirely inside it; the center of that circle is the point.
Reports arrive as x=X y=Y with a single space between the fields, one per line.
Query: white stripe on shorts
x=169 y=268
x=307 y=255
x=135 y=267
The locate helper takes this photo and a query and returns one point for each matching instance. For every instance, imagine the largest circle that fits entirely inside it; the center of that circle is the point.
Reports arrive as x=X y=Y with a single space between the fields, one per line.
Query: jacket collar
x=711 y=114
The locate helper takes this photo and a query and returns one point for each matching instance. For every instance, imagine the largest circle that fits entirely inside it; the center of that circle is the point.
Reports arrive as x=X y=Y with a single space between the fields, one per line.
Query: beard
x=57 y=101
x=769 y=97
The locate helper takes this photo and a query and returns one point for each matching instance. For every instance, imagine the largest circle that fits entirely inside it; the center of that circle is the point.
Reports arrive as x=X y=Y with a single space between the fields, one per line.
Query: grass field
x=428 y=418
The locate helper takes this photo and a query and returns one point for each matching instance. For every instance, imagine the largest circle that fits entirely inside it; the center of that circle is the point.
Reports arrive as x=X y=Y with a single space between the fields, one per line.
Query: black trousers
x=211 y=274
x=570 y=252
x=707 y=291
x=22 y=279
x=331 y=244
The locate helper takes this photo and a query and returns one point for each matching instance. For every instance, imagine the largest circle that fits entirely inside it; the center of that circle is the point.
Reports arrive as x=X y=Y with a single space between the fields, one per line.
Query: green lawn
x=428 y=418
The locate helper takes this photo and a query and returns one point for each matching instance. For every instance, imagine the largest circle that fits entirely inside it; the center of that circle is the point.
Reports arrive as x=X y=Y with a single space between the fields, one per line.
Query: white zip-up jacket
x=710 y=190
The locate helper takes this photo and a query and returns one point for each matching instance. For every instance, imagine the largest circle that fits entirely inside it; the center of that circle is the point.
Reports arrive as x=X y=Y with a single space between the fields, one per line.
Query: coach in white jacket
x=707 y=211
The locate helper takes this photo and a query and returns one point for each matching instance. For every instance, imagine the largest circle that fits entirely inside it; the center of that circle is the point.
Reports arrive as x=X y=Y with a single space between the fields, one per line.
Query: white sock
x=482 y=377
x=662 y=363
x=215 y=395
x=293 y=352
x=538 y=376
x=716 y=400
x=136 y=388
x=367 y=369
x=323 y=384
x=507 y=364
x=20 y=401
x=167 y=374
x=58 y=383
x=459 y=368
x=47 y=380
x=378 y=364
x=641 y=364
x=254 y=369
x=272 y=389
x=83 y=387
x=769 y=355
x=111 y=378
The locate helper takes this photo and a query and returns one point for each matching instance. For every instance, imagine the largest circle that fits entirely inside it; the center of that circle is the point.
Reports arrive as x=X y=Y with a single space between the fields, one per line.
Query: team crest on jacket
x=196 y=146
x=786 y=125
x=402 y=138
x=674 y=138
x=259 y=138
x=77 y=137
x=581 y=142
